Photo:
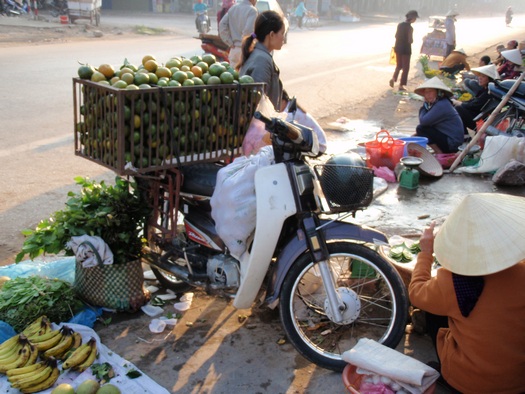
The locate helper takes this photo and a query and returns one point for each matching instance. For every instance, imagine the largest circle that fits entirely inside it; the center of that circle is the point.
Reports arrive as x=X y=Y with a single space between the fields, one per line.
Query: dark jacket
x=261 y=68
x=444 y=118
x=404 y=38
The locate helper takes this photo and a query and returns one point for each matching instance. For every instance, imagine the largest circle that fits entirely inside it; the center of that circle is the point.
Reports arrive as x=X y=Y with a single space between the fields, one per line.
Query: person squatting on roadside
x=455 y=62
x=438 y=119
x=236 y=24
x=468 y=110
x=256 y=58
x=475 y=302
x=450 y=31
x=510 y=69
x=403 y=49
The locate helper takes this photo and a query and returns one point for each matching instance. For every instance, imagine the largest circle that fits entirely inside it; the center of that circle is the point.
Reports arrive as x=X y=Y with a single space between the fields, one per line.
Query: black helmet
x=346 y=182
x=412 y=14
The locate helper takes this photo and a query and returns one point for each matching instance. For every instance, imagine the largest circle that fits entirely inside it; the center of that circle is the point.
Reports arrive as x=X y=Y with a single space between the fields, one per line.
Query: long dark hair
x=265 y=23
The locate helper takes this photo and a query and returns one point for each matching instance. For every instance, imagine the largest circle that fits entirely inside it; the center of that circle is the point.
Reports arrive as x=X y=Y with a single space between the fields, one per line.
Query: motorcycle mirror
x=292 y=107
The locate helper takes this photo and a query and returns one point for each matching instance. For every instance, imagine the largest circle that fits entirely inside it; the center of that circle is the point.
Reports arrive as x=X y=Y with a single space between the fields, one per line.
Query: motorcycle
x=213 y=44
x=326 y=275
x=13 y=8
x=58 y=7
x=203 y=22
x=511 y=120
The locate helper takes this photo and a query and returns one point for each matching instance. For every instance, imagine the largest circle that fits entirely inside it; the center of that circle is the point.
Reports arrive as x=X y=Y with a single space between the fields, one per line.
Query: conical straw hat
x=433 y=83
x=483 y=235
x=460 y=50
x=489 y=70
x=513 y=55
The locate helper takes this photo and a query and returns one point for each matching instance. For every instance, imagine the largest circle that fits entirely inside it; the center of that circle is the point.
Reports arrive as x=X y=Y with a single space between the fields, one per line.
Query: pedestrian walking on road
x=403 y=49
x=475 y=301
x=236 y=24
x=450 y=31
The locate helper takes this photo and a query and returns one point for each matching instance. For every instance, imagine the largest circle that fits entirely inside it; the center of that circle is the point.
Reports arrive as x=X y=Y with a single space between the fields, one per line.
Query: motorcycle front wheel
x=375 y=298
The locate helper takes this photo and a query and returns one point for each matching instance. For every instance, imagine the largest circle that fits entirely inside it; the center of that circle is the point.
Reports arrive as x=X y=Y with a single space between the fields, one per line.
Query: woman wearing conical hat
x=468 y=110
x=510 y=68
x=475 y=302
x=438 y=120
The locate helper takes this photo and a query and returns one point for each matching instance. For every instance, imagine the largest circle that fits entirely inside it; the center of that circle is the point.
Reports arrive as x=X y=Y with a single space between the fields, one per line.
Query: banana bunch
x=17 y=352
x=34 y=378
x=69 y=339
x=82 y=358
x=38 y=327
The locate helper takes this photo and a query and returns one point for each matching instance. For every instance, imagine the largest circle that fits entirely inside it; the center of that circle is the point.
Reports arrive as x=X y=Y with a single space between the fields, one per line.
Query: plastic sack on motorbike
x=256 y=137
x=233 y=201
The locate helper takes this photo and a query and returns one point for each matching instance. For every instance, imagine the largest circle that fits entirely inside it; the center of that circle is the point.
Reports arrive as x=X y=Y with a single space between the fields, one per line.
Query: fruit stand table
x=84 y=9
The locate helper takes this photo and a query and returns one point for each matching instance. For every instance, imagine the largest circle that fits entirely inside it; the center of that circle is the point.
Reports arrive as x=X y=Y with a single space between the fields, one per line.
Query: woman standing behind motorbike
x=257 y=60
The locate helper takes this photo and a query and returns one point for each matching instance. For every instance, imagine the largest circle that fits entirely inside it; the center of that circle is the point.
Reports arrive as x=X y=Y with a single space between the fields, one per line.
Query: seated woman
x=468 y=110
x=455 y=62
x=475 y=302
x=510 y=67
x=470 y=79
x=438 y=119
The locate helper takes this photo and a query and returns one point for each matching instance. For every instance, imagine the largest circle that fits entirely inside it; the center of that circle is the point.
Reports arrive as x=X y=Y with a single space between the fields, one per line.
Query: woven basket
x=114 y=286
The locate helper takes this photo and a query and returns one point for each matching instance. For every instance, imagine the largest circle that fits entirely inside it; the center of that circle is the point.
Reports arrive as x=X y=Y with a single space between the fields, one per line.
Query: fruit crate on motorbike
x=145 y=130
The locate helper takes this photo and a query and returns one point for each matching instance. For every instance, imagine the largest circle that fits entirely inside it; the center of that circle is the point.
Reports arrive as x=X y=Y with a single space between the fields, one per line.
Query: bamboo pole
x=487 y=122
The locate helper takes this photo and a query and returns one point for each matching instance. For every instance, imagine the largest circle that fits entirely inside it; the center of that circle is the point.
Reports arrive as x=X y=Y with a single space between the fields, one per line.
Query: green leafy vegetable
x=116 y=213
x=23 y=300
x=133 y=374
x=103 y=372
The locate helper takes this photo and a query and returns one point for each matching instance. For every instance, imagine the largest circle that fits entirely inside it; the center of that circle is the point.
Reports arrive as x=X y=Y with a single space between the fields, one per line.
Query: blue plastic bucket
x=423 y=141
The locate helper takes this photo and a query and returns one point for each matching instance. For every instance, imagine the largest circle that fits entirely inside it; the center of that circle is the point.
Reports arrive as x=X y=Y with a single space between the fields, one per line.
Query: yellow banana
x=8 y=344
x=23 y=356
x=77 y=340
x=90 y=359
x=60 y=348
x=35 y=326
x=44 y=337
x=28 y=369
x=50 y=381
x=32 y=357
x=30 y=381
x=51 y=342
x=9 y=352
x=13 y=357
x=78 y=356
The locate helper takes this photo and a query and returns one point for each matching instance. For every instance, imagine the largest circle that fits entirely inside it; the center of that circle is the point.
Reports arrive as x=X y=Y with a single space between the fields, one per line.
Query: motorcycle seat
x=500 y=88
x=200 y=178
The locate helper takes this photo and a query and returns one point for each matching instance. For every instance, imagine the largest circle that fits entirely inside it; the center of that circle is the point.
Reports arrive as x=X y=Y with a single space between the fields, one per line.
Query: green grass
x=148 y=30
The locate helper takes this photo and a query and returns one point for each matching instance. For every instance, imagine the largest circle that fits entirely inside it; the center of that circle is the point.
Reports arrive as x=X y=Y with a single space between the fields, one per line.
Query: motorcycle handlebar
x=281 y=127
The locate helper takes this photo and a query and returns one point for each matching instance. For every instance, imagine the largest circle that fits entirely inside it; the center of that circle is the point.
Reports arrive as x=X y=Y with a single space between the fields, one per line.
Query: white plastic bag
x=497 y=152
x=257 y=136
x=233 y=202
x=308 y=120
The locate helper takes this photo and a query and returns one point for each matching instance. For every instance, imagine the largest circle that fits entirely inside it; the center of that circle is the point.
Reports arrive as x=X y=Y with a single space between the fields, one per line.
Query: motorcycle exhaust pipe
x=155 y=260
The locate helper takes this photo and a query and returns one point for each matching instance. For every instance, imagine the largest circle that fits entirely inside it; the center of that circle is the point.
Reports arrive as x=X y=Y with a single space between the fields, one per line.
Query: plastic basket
x=145 y=130
x=346 y=188
x=384 y=151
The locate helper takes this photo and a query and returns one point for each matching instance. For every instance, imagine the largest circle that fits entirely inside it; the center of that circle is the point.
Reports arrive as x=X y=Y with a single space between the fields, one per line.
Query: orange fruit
x=107 y=69
x=197 y=71
x=147 y=58
x=174 y=62
x=163 y=72
x=128 y=78
x=98 y=76
x=187 y=62
x=151 y=65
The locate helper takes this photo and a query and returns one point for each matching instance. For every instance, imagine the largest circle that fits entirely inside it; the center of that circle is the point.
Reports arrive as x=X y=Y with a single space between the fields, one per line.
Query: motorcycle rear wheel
x=373 y=289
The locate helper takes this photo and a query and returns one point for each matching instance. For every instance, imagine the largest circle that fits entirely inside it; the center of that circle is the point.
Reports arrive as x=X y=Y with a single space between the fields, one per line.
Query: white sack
x=497 y=152
x=308 y=120
x=233 y=201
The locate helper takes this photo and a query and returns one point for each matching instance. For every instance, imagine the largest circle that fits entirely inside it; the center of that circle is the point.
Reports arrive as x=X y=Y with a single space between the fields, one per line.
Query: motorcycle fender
x=275 y=203
x=297 y=246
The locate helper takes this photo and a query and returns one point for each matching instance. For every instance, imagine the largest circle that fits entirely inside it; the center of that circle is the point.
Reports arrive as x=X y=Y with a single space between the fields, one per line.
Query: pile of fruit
x=145 y=116
x=30 y=360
